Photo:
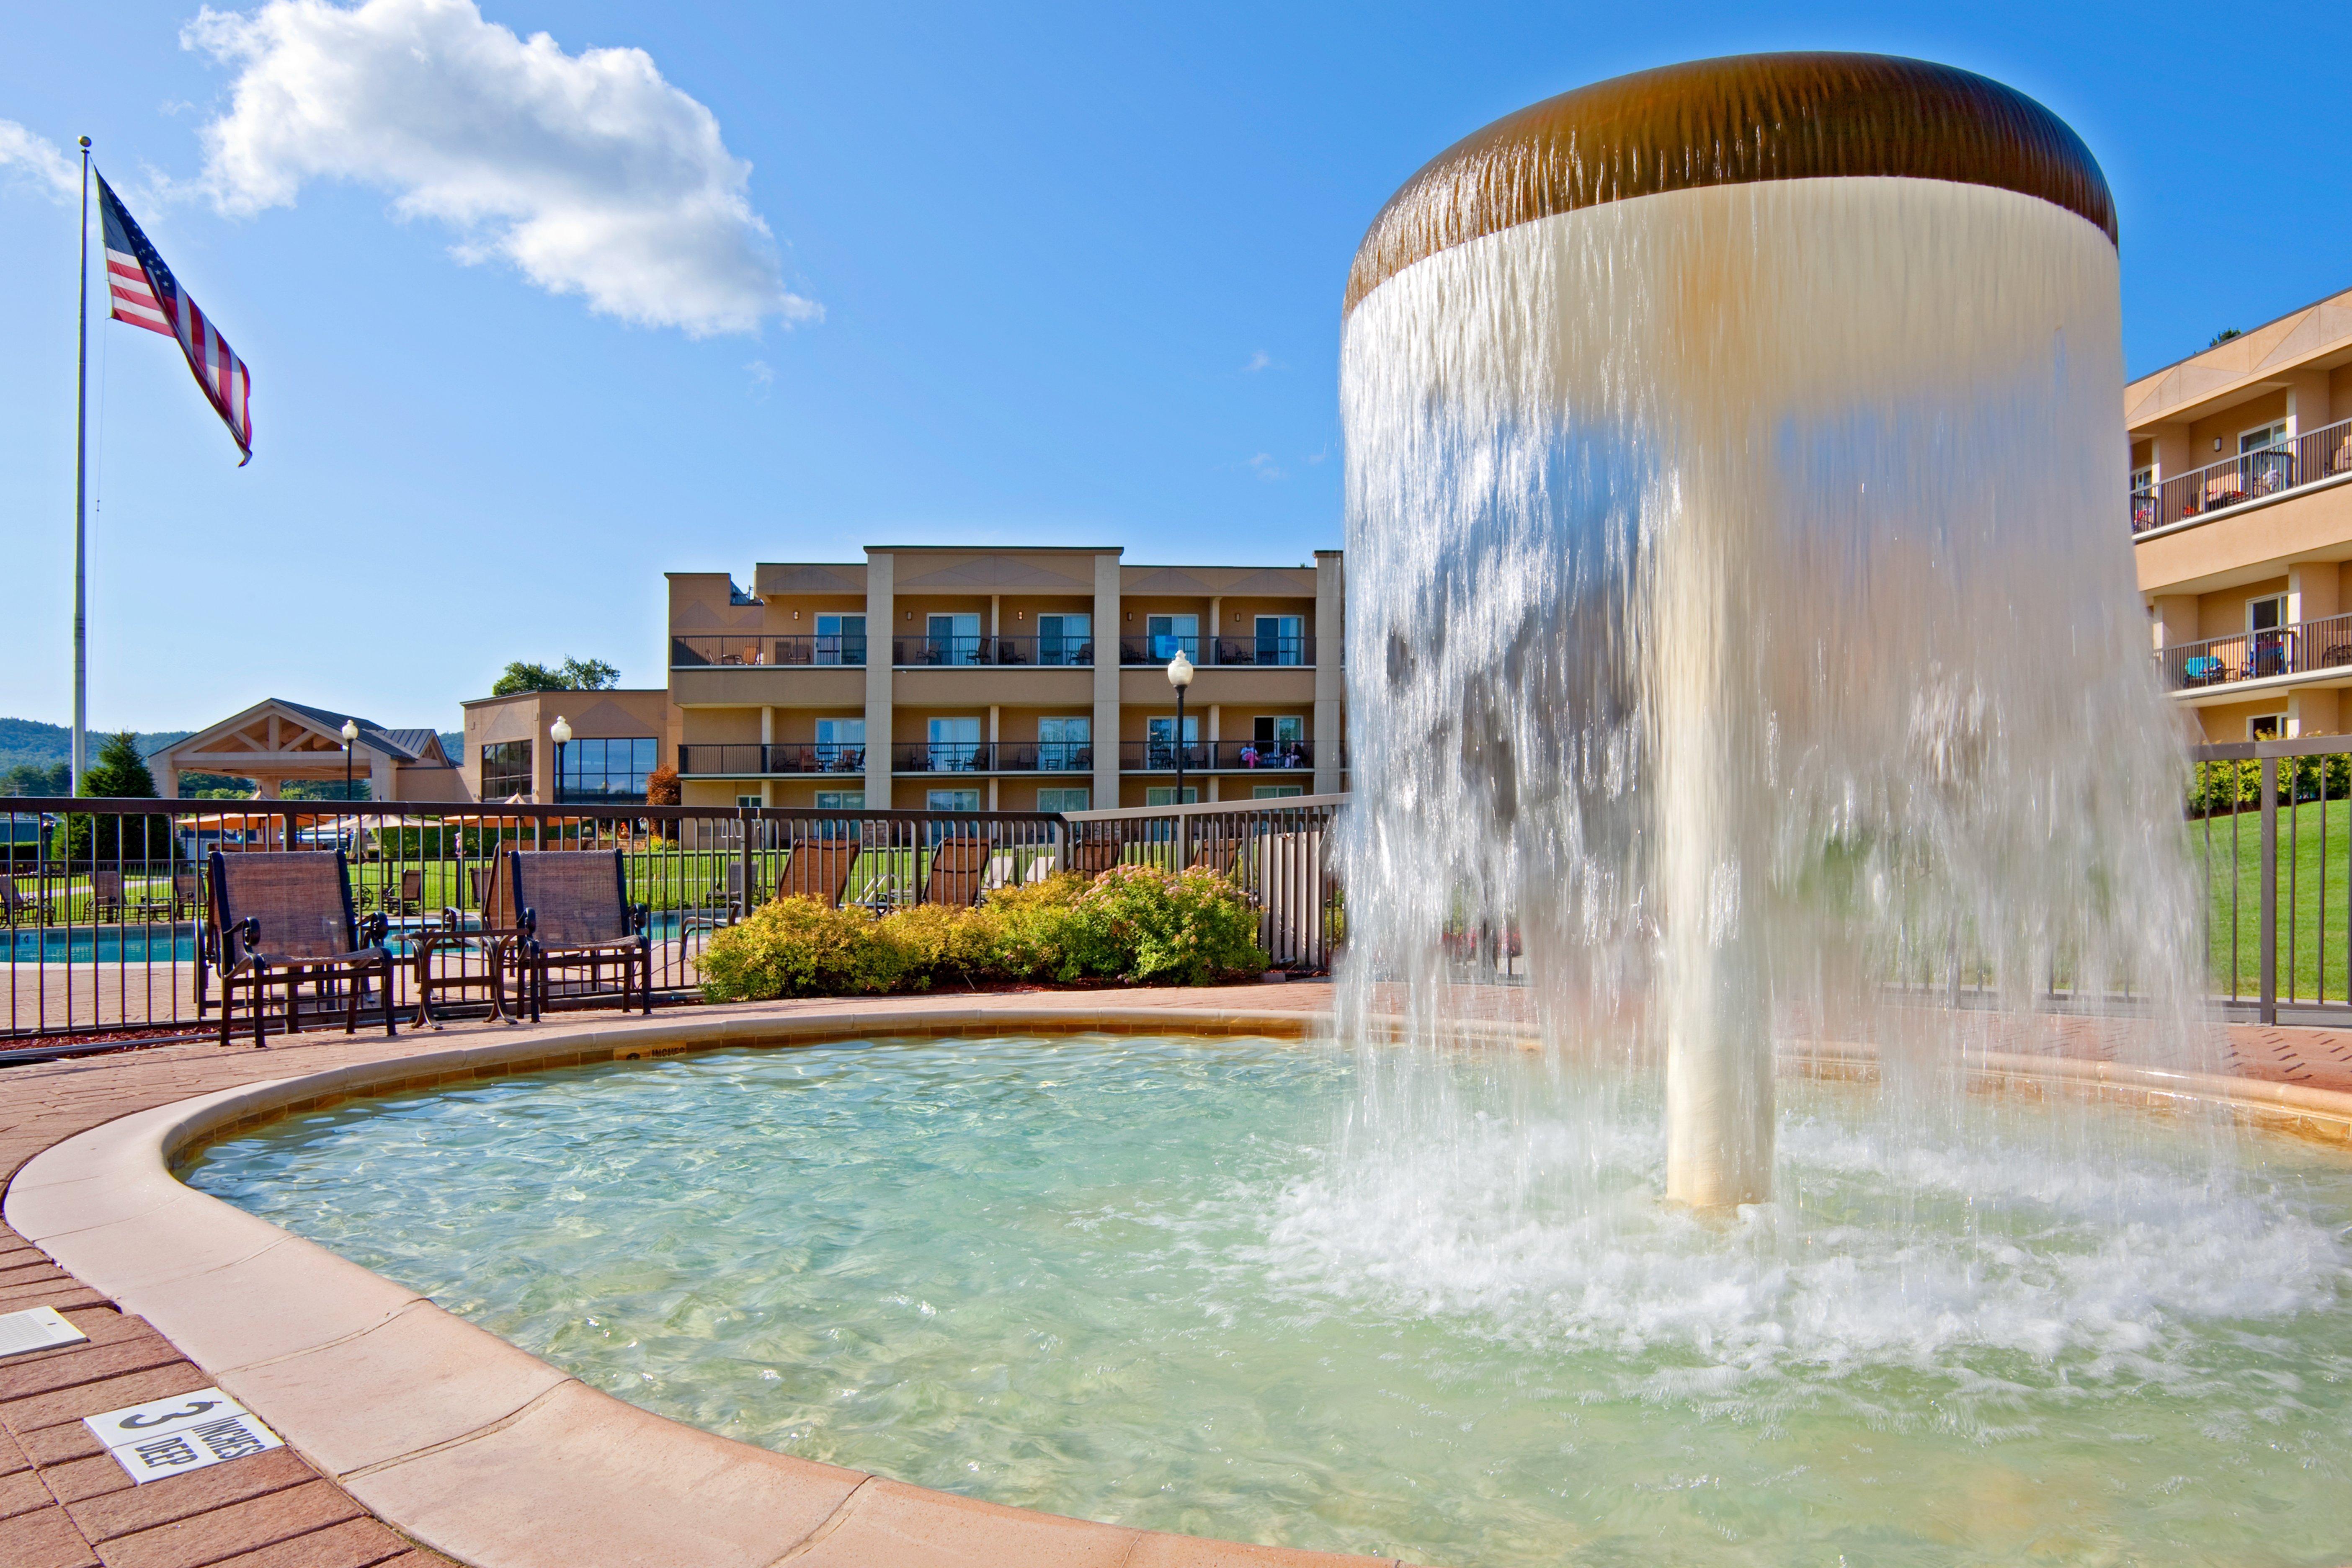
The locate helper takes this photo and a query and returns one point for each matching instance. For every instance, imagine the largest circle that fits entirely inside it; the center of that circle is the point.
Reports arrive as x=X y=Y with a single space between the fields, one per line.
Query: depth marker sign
x=186 y=1432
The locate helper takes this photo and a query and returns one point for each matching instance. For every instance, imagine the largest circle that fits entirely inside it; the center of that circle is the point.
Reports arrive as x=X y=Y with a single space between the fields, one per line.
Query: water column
x=1726 y=444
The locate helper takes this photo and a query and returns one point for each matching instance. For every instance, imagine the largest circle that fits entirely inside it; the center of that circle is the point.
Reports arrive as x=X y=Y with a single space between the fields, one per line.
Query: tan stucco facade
x=987 y=643
x=2242 y=512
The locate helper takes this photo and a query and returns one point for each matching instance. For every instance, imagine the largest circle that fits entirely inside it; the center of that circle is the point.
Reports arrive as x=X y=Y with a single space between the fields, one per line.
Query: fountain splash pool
x=1139 y=1279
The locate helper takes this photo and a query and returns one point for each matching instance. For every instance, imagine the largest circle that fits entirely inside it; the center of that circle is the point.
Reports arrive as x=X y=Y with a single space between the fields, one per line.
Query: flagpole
x=81 y=473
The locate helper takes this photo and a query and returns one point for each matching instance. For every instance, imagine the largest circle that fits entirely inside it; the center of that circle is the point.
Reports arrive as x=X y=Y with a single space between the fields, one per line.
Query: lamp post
x=1180 y=675
x=350 y=739
x=561 y=733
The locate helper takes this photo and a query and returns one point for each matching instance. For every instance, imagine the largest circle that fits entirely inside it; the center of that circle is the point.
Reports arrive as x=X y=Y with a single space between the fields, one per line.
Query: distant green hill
x=45 y=745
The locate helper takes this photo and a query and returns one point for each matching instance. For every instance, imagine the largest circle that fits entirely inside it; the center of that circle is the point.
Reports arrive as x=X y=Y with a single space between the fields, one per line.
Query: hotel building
x=1005 y=680
x=2240 y=508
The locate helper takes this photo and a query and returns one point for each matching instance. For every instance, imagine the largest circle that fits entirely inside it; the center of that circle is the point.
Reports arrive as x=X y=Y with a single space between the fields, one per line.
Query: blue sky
x=1028 y=275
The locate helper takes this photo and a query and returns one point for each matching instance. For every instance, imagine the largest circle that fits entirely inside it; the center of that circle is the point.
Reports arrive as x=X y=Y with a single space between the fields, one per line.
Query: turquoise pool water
x=1158 y=1281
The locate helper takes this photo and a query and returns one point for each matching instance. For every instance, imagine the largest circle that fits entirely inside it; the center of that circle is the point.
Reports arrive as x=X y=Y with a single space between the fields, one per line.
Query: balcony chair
x=575 y=915
x=2204 y=671
x=284 y=917
x=496 y=935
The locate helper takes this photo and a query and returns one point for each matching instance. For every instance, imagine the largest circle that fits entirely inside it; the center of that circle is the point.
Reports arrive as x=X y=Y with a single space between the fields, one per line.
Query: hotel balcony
x=991 y=653
x=751 y=760
x=1291 y=653
x=704 y=653
x=2248 y=663
x=1225 y=756
x=992 y=757
x=2297 y=464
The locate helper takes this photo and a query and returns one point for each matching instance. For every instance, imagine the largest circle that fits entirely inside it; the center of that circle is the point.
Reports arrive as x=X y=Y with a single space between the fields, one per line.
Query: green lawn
x=2315 y=874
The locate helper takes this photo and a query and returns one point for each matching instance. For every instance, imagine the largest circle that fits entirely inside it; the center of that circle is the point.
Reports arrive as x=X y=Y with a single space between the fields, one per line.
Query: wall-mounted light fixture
x=796 y=614
x=910 y=614
x=1130 y=615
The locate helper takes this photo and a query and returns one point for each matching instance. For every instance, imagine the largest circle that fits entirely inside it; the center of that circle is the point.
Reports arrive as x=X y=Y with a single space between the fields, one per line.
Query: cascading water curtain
x=1741 y=609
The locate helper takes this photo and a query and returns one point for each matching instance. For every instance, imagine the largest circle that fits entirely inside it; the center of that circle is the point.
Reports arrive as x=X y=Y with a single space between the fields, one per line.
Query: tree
x=572 y=675
x=119 y=773
x=32 y=778
x=661 y=786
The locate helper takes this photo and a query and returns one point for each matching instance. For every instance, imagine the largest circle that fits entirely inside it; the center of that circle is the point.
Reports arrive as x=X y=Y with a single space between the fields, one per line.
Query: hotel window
x=2265 y=726
x=1274 y=792
x=840 y=744
x=841 y=800
x=2266 y=460
x=1066 y=640
x=1065 y=745
x=1165 y=795
x=841 y=639
x=1281 y=639
x=952 y=800
x=1065 y=800
x=951 y=639
x=1159 y=742
x=607 y=768
x=752 y=801
x=1167 y=634
x=506 y=770
x=955 y=746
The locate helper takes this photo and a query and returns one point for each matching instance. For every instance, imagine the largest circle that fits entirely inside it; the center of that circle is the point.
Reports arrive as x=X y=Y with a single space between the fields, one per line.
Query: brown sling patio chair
x=19 y=909
x=408 y=899
x=496 y=937
x=284 y=918
x=958 y=865
x=575 y=914
x=1090 y=857
x=819 y=868
x=105 y=894
x=1219 y=855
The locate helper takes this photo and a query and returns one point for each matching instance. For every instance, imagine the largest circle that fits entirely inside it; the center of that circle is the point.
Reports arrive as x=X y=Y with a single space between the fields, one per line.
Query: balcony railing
x=1295 y=652
x=1218 y=756
x=1052 y=653
x=697 y=653
x=2291 y=465
x=995 y=757
x=2305 y=648
x=753 y=758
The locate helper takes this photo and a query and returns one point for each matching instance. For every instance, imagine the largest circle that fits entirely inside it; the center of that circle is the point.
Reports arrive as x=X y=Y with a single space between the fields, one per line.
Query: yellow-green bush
x=1131 y=923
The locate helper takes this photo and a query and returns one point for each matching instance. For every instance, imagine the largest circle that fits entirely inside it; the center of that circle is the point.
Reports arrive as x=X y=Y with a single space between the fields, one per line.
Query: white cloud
x=588 y=172
x=763 y=378
x=1265 y=467
x=28 y=160
x=1262 y=361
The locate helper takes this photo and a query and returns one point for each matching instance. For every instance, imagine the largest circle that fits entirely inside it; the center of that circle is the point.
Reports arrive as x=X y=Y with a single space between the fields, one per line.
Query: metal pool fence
x=104 y=905
x=2270 y=829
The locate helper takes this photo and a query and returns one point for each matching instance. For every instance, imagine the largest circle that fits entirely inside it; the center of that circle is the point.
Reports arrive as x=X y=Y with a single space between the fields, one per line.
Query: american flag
x=145 y=294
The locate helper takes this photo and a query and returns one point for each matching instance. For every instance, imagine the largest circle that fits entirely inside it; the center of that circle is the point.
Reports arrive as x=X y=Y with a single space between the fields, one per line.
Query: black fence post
x=2269 y=959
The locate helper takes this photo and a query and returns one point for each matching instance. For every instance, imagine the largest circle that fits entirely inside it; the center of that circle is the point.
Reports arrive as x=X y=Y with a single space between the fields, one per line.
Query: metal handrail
x=2296 y=463
x=2300 y=648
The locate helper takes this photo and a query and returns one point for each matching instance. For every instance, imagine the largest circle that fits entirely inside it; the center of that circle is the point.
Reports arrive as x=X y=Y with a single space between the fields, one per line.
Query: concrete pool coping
x=477 y=1449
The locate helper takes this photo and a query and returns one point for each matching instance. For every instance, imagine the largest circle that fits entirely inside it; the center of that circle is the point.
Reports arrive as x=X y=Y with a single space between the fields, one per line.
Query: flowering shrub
x=1131 y=923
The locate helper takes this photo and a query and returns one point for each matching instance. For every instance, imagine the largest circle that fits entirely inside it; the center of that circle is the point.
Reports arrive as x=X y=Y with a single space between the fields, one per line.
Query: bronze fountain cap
x=1730 y=122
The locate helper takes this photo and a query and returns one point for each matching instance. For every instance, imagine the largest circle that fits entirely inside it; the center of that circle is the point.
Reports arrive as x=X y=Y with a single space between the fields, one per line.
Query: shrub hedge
x=1132 y=923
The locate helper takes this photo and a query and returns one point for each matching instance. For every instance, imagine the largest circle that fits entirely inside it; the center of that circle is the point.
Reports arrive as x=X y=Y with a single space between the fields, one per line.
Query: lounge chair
x=19 y=909
x=575 y=914
x=819 y=869
x=958 y=865
x=408 y=897
x=1219 y=855
x=283 y=918
x=105 y=894
x=496 y=935
x=1090 y=857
